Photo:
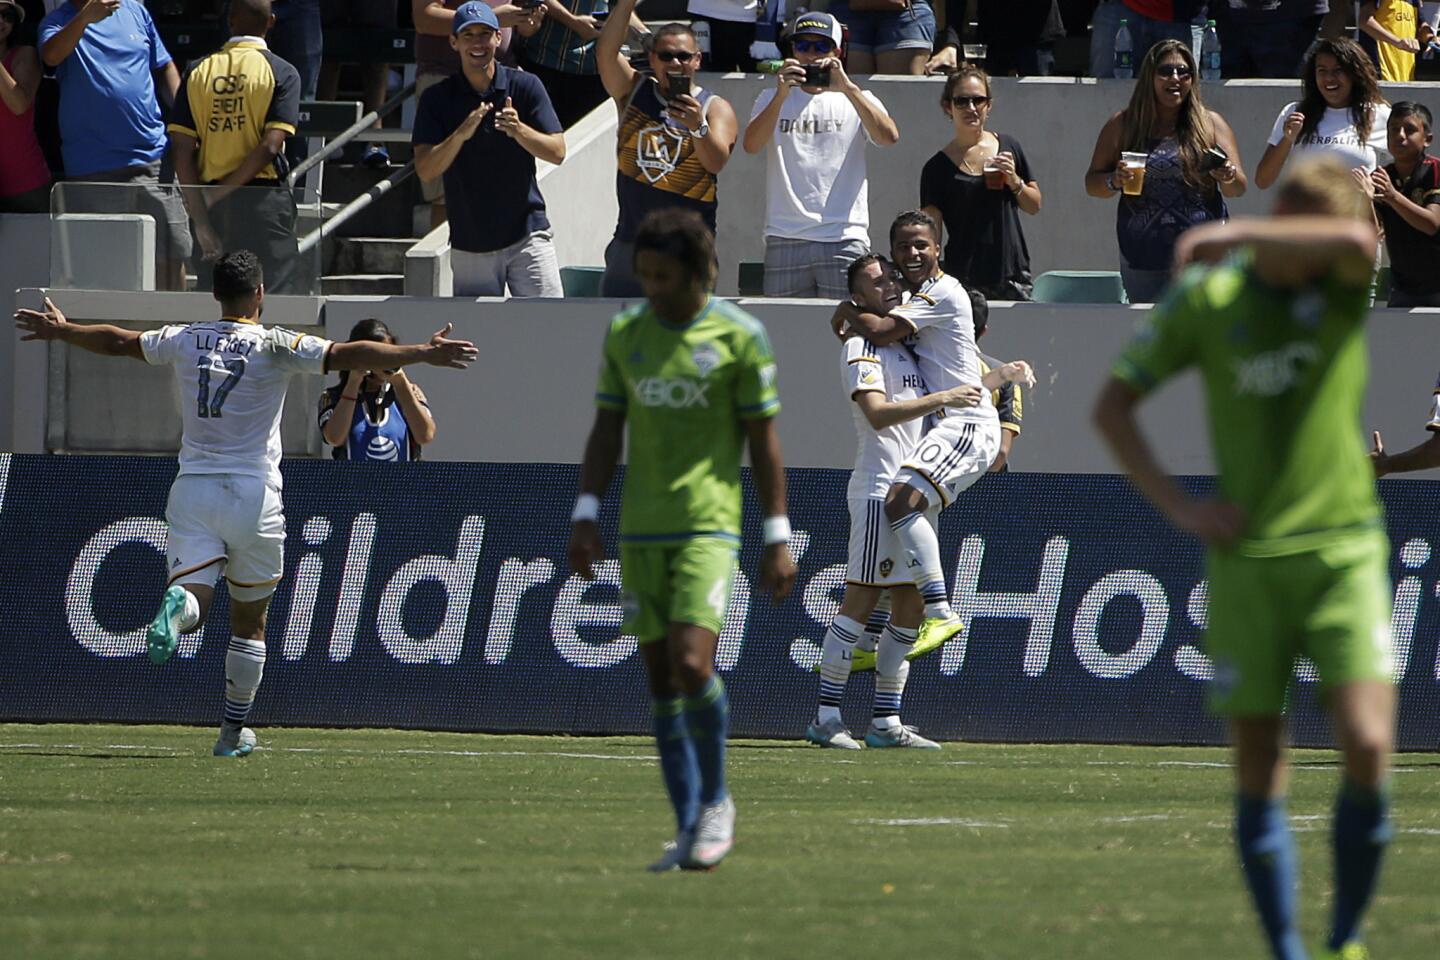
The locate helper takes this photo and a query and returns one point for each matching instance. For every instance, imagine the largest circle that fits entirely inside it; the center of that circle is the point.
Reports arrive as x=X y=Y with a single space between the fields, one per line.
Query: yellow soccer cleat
x=1354 y=950
x=933 y=634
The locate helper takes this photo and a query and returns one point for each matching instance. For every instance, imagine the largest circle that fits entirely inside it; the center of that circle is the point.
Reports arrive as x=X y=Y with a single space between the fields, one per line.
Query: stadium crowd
x=127 y=116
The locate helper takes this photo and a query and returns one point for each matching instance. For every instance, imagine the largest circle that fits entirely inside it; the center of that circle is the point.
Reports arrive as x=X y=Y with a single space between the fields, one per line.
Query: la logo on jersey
x=657 y=151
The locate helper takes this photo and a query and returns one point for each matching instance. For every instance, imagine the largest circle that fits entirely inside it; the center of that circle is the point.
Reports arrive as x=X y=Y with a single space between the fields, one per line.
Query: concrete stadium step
x=363 y=284
x=369 y=255
x=390 y=216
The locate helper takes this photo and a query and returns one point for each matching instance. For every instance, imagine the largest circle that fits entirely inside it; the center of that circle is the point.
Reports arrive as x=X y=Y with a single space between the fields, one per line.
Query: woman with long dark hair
x=24 y=175
x=1340 y=111
x=375 y=414
x=1184 y=163
x=984 y=242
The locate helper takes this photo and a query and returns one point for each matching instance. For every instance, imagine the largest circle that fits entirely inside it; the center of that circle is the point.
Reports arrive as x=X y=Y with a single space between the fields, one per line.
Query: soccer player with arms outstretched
x=224 y=512
x=889 y=403
x=936 y=322
x=1297 y=555
x=694 y=378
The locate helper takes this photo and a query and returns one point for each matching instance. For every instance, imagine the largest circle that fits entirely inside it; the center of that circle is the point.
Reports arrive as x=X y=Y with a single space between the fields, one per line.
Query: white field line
x=933 y=822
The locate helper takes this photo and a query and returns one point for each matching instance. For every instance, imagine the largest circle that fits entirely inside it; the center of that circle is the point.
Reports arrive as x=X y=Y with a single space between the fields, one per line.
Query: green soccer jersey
x=1284 y=376
x=685 y=391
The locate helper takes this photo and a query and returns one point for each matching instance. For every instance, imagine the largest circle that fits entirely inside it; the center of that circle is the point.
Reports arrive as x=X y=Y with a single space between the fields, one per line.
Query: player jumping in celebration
x=889 y=402
x=695 y=378
x=1297 y=554
x=224 y=512
x=959 y=449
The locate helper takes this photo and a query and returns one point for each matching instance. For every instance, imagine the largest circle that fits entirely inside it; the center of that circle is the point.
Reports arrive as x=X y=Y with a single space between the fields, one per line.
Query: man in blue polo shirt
x=482 y=130
x=111 y=64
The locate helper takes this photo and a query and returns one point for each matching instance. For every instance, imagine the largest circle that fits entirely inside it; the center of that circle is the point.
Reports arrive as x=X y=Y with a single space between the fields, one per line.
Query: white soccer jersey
x=892 y=372
x=944 y=342
x=232 y=376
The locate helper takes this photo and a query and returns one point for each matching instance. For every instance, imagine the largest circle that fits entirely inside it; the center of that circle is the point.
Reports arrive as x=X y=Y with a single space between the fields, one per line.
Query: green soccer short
x=1331 y=604
x=684 y=582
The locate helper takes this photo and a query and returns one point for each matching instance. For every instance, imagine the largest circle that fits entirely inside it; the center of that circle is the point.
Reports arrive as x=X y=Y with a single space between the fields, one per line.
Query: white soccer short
x=226 y=524
x=874 y=549
x=950 y=458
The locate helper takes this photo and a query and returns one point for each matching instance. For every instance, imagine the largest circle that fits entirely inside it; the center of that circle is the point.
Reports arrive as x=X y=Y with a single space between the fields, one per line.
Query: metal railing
x=355 y=130
x=355 y=206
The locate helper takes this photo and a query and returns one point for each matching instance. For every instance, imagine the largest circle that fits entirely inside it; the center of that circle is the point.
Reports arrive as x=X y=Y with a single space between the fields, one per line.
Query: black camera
x=816 y=75
x=1213 y=159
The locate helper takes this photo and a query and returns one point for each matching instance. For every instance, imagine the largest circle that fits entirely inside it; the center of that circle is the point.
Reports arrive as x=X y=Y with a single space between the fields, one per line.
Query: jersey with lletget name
x=685 y=392
x=892 y=372
x=233 y=375
x=944 y=342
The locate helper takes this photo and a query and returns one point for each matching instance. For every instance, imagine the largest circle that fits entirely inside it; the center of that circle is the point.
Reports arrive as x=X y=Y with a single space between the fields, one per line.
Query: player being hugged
x=888 y=402
x=1297 y=557
x=936 y=322
x=695 y=378
x=224 y=512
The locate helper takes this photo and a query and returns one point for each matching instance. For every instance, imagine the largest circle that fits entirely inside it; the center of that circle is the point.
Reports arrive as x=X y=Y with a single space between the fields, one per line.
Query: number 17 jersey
x=232 y=375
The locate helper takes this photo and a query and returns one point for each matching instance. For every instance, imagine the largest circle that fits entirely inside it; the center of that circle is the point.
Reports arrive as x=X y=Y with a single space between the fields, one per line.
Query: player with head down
x=224 y=511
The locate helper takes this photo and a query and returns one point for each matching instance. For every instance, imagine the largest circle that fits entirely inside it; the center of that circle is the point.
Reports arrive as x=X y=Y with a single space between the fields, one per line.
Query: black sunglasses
x=963 y=102
x=670 y=56
x=1181 y=70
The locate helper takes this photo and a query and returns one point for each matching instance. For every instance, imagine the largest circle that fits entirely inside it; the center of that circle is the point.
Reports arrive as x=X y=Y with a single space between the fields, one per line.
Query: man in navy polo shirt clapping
x=483 y=129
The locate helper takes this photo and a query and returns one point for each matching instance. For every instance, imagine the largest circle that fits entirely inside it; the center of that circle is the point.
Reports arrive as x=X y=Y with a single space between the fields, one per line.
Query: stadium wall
x=437 y=596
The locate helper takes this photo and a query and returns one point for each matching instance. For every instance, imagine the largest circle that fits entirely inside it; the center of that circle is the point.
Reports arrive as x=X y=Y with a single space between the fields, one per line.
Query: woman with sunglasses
x=976 y=187
x=1340 y=111
x=1192 y=164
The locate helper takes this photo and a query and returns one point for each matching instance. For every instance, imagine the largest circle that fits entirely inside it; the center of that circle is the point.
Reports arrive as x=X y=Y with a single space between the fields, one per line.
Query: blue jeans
x=1274 y=50
x=297 y=39
x=1144 y=34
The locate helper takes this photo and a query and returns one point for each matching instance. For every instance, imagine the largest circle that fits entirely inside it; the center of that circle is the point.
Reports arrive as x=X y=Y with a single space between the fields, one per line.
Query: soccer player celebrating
x=960 y=447
x=888 y=404
x=224 y=512
x=1296 y=550
x=695 y=378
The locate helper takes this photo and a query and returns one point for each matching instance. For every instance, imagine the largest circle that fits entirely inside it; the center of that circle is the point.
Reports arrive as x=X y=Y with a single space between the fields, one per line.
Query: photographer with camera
x=815 y=123
x=1172 y=160
x=675 y=137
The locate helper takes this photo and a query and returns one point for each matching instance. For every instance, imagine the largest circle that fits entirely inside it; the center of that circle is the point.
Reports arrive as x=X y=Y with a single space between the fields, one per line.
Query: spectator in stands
x=24 y=176
x=435 y=59
x=1266 y=39
x=986 y=247
x=375 y=414
x=360 y=15
x=1388 y=31
x=114 y=73
x=1009 y=399
x=298 y=38
x=482 y=130
x=674 y=139
x=562 y=54
x=887 y=36
x=236 y=109
x=1149 y=22
x=1407 y=195
x=1340 y=111
x=1183 y=183
x=817 y=207
x=732 y=30
x=1019 y=36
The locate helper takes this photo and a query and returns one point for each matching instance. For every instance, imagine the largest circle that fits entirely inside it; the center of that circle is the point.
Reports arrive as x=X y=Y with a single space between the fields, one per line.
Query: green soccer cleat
x=1354 y=950
x=933 y=634
x=162 y=636
x=860 y=661
x=240 y=746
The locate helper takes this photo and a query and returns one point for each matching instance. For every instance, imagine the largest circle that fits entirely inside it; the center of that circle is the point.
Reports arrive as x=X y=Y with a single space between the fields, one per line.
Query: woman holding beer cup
x=1172 y=161
x=976 y=187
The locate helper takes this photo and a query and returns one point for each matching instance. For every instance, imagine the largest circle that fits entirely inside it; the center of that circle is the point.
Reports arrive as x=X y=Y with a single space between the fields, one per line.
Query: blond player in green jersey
x=695 y=379
x=1273 y=318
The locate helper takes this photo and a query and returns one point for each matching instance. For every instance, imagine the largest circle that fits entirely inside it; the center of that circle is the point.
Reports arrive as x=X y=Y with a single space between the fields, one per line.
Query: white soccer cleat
x=831 y=733
x=714 y=835
x=881 y=738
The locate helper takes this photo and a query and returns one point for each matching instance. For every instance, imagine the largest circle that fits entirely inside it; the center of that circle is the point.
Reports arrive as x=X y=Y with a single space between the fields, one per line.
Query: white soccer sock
x=189 y=614
x=922 y=558
x=244 y=666
x=835 y=657
x=891 y=672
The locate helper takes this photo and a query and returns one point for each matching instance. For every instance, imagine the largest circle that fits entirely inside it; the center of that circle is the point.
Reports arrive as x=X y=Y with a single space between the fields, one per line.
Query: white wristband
x=587 y=507
x=776 y=530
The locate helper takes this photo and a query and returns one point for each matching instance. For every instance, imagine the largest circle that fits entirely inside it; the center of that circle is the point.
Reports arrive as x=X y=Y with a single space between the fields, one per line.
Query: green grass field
x=133 y=842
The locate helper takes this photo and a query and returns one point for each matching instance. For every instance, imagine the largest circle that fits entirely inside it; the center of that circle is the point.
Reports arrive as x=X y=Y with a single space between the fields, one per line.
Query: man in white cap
x=814 y=126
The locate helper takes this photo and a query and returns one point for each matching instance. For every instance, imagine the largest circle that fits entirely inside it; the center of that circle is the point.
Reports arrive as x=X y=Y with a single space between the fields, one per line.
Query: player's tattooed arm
x=880 y=329
x=439 y=351
x=1290 y=251
x=602 y=453
x=101 y=338
x=777 y=567
x=1016 y=371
